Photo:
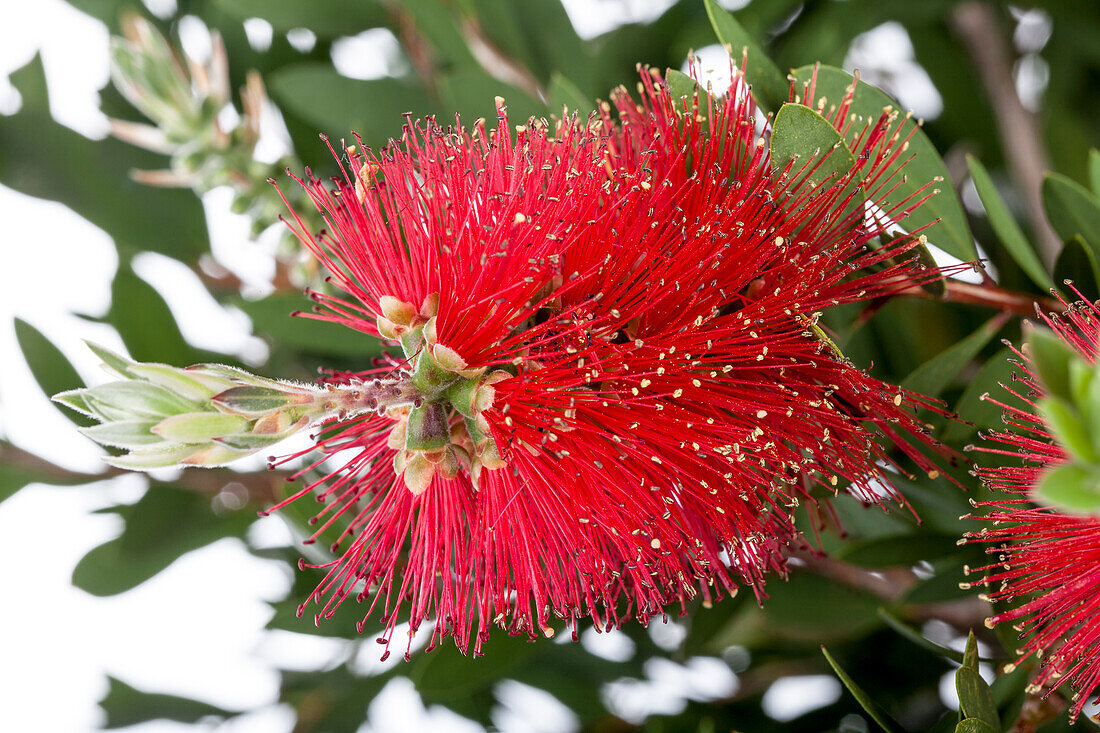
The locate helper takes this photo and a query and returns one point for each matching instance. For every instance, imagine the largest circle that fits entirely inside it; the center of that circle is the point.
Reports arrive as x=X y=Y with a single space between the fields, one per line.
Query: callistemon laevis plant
x=608 y=390
x=1043 y=523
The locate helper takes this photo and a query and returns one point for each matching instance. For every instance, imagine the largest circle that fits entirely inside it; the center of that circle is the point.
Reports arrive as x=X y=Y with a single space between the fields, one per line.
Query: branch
x=976 y=23
x=990 y=296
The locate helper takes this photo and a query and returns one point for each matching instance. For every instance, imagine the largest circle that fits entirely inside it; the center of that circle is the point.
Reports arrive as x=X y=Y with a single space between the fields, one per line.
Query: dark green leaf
x=839 y=612
x=564 y=93
x=538 y=37
x=878 y=715
x=50 y=367
x=975 y=697
x=125 y=706
x=272 y=316
x=326 y=18
x=917 y=637
x=1094 y=171
x=908 y=549
x=1070 y=487
x=769 y=86
x=471 y=92
x=799 y=137
x=973 y=406
x=1072 y=210
x=943 y=212
x=163 y=525
x=1005 y=227
x=1078 y=265
x=41 y=158
x=338 y=105
x=970 y=652
x=446 y=675
x=974 y=725
x=435 y=20
x=934 y=375
x=145 y=322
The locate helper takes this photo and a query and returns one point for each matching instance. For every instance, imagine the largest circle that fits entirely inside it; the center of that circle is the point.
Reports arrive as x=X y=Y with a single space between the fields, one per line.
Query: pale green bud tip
x=205 y=415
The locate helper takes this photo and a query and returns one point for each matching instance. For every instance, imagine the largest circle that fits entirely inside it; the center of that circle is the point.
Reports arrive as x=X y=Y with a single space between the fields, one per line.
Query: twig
x=990 y=296
x=976 y=23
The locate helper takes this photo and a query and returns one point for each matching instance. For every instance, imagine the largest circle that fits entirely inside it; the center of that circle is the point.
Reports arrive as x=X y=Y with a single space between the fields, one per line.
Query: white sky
x=197 y=628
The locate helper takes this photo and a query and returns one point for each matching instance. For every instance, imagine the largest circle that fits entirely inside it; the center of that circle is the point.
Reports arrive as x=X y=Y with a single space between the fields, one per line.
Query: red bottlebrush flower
x=642 y=292
x=1047 y=561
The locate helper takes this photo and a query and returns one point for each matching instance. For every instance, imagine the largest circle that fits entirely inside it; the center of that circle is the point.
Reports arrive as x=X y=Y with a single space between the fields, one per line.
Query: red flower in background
x=1047 y=561
x=630 y=304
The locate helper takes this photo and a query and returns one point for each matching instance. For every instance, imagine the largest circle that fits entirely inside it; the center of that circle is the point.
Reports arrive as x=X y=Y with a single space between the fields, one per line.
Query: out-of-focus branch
x=1037 y=710
x=495 y=62
x=990 y=296
x=259 y=486
x=976 y=23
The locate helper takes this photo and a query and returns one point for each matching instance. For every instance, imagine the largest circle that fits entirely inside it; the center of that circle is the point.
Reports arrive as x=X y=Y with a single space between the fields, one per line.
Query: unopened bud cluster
x=185 y=100
x=445 y=431
x=212 y=414
x=205 y=415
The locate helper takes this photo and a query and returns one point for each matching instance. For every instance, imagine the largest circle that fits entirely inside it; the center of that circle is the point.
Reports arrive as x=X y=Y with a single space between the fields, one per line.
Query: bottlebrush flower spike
x=1047 y=558
x=626 y=392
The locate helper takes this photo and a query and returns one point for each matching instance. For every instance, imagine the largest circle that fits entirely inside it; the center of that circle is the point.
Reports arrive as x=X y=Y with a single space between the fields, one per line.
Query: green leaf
x=934 y=375
x=470 y=93
x=126 y=706
x=41 y=158
x=1051 y=358
x=1071 y=488
x=1077 y=264
x=839 y=612
x=899 y=550
x=1072 y=210
x=337 y=105
x=1065 y=423
x=970 y=652
x=1094 y=171
x=326 y=18
x=974 y=725
x=801 y=136
x=943 y=212
x=873 y=709
x=145 y=322
x=563 y=92
x=770 y=88
x=50 y=368
x=915 y=636
x=974 y=406
x=435 y=20
x=1005 y=227
x=272 y=316
x=163 y=525
x=975 y=697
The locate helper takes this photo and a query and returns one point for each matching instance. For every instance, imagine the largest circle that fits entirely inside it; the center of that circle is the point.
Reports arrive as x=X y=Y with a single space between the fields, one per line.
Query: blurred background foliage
x=1008 y=92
